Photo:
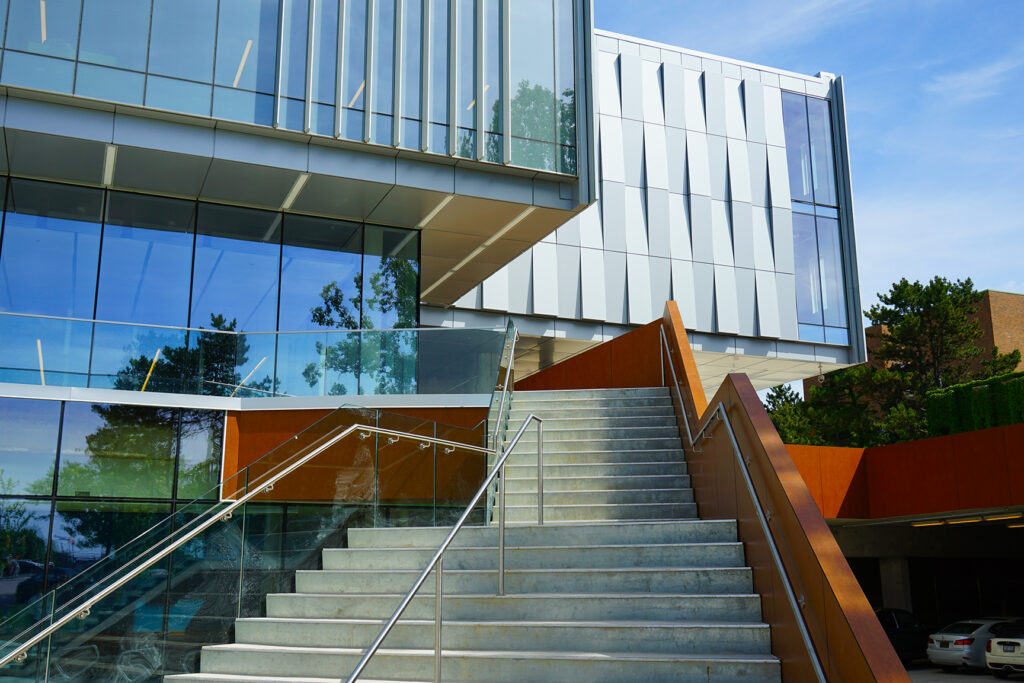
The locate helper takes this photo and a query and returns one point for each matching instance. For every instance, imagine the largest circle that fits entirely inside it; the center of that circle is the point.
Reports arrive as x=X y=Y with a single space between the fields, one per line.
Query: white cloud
x=978 y=82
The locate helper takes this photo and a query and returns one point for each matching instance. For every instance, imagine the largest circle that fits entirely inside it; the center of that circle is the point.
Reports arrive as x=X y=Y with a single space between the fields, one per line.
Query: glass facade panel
x=36 y=72
x=354 y=63
x=439 y=54
x=117 y=450
x=808 y=282
x=325 y=55
x=466 y=97
x=45 y=28
x=565 y=86
x=819 y=119
x=174 y=95
x=50 y=249
x=390 y=278
x=321 y=271
x=28 y=450
x=122 y=356
x=412 y=61
x=146 y=260
x=384 y=58
x=798 y=152
x=113 y=85
x=200 y=445
x=24 y=531
x=115 y=33
x=35 y=348
x=236 y=268
x=181 y=41
x=247 y=44
x=532 y=71
x=242 y=105
x=293 y=72
x=833 y=302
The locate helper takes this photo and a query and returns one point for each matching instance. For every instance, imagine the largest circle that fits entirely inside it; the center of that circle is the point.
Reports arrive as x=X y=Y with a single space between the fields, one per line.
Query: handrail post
x=540 y=472
x=437 y=619
x=501 y=530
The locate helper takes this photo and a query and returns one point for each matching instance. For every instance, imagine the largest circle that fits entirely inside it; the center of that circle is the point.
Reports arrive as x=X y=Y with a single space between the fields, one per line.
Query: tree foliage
x=927 y=340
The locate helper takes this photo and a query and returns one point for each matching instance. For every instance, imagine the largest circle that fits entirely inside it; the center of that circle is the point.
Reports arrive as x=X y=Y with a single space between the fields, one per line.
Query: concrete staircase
x=622 y=583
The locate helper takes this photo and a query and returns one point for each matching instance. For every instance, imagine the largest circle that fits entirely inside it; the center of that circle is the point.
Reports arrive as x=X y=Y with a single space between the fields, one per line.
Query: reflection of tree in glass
x=538 y=115
x=382 y=357
x=209 y=365
x=18 y=540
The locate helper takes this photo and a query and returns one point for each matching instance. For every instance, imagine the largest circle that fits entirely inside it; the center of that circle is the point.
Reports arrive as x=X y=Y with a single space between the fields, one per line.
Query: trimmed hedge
x=991 y=402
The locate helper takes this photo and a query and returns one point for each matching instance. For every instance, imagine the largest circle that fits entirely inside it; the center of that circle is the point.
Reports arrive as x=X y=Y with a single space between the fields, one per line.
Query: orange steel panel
x=836 y=477
x=1014 y=440
x=980 y=469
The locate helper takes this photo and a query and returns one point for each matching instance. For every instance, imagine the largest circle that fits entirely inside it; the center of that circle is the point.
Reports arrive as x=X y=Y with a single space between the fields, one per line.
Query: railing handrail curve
x=85 y=605
x=499 y=465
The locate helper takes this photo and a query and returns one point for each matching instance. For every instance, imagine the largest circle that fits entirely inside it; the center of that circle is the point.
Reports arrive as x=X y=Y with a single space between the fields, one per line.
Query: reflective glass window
x=46 y=28
x=293 y=113
x=325 y=53
x=114 y=85
x=811 y=333
x=492 y=79
x=565 y=86
x=117 y=450
x=24 y=530
x=87 y=531
x=296 y=25
x=321 y=263
x=390 y=278
x=28 y=450
x=354 y=61
x=175 y=95
x=115 y=33
x=146 y=260
x=808 y=282
x=819 y=120
x=833 y=303
x=182 y=39
x=532 y=70
x=836 y=335
x=247 y=44
x=242 y=105
x=383 y=56
x=50 y=249
x=412 y=58
x=38 y=73
x=3 y=16
x=438 y=94
x=121 y=357
x=199 y=453
x=466 y=65
x=798 y=151
x=59 y=349
x=236 y=267
x=322 y=119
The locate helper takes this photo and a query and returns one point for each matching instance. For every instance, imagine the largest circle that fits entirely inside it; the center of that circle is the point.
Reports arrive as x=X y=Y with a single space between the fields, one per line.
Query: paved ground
x=923 y=673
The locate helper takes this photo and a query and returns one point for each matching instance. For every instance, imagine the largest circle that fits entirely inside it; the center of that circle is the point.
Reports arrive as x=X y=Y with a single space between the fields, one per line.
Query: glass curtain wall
x=820 y=284
x=73 y=252
x=277 y=63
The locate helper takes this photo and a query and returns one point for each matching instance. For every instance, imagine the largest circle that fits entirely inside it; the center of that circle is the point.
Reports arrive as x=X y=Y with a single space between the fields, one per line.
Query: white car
x=1004 y=653
x=962 y=643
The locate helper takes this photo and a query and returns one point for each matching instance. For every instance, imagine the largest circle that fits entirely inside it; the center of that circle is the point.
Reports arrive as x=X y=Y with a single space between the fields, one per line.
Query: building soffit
x=473 y=217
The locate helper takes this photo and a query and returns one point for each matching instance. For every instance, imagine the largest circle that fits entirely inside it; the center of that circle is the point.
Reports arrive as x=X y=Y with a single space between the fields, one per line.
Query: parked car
x=1004 y=653
x=962 y=643
x=907 y=636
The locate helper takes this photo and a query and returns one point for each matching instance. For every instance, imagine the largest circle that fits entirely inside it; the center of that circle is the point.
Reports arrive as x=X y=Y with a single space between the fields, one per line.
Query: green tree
x=789 y=414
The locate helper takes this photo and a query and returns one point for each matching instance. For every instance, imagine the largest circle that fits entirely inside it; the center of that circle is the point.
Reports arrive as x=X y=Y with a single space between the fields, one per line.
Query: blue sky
x=935 y=111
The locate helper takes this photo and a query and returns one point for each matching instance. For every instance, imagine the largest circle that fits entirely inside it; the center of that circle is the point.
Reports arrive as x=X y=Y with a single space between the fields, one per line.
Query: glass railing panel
x=211 y=363
x=342 y=361
x=15 y=630
x=458 y=474
x=388 y=362
x=459 y=361
x=122 y=358
x=255 y=356
x=35 y=349
x=405 y=472
x=302 y=363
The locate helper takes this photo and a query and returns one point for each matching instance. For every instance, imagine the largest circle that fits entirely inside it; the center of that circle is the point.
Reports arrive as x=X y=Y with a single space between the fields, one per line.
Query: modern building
x=222 y=207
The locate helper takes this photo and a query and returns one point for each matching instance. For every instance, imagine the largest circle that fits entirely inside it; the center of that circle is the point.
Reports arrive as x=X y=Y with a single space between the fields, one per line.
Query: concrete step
x=657 y=463
x=587 y=580
x=671 y=443
x=685 y=531
x=598 y=512
x=551 y=394
x=531 y=634
x=608 y=483
x=545 y=557
x=517 y=414
x=602 y=433
x=599 y=496
x=496 y=666
x=596 y=421
x=561 y=606
x=536 y=404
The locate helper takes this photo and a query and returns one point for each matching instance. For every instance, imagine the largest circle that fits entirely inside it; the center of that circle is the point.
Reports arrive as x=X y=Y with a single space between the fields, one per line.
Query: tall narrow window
x=491 y=95
x=466 y=100
x=383 y=70
x=440 y=53
x=532 y=84
x=412 y=68
x=325 y=66
x=353 y=85
x=293 y=63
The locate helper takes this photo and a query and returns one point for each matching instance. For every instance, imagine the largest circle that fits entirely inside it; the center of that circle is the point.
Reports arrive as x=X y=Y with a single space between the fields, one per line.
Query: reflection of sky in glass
x=29 y=445
x=236 y=279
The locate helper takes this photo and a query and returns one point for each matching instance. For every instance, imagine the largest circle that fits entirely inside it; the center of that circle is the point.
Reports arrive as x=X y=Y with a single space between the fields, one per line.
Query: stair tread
x=532 y=596
x=552 y=570
x=508 y=547
x=503 y=654
x=525 y=623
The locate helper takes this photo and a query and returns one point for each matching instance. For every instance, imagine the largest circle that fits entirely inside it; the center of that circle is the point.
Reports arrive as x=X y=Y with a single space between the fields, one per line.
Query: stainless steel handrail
x=436 y=561
x=786 y=583
x=85 y=605
x=675 y=380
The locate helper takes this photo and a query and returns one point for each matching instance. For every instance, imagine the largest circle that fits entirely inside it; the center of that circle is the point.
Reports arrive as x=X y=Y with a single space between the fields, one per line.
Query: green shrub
x=991 y=402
